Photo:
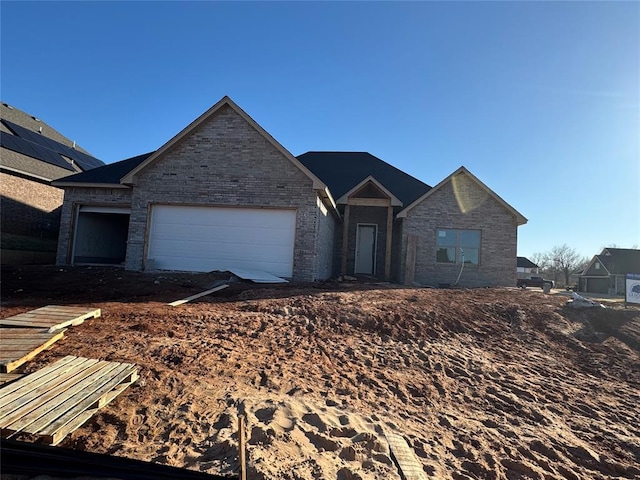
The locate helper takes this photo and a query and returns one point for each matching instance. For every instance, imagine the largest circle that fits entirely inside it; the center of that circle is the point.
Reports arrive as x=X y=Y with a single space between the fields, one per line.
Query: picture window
x=456 y=246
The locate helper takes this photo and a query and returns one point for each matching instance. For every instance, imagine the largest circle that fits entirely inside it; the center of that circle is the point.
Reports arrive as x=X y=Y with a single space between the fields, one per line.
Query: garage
x=598 y=285
x=203 y=239
x=101 y=235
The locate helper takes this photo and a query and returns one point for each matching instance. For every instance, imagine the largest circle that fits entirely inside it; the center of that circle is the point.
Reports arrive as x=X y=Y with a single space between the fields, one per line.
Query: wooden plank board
x=61 y=397
x=198 y=295
x=25 y=403
x=410 y=264
x=51 y=317
x=48 y=405
x=14 y=351
x=6 y=378
x=405 y=458
x=35 y=379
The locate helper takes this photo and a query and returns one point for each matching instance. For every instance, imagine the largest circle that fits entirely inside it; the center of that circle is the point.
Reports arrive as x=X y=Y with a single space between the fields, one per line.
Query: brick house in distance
x=32 y=154
x=224 y=194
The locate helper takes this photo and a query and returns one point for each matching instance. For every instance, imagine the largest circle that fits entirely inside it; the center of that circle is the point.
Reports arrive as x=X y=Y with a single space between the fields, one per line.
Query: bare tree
x=565 y=260
x=542 y=260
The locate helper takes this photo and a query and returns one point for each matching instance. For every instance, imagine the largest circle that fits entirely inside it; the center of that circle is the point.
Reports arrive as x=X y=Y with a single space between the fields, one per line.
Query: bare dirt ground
x=484 y=383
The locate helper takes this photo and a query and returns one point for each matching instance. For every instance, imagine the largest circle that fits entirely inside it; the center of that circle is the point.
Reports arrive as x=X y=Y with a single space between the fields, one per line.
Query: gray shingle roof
x=341 y=171
x=621 y=261
x=32 y=148
x=15 y=115
x=107 y=174
x=524 y=262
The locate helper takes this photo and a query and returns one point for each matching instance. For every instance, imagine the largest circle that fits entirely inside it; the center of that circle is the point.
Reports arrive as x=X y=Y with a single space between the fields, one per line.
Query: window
x=597 y=266
x=457 y=246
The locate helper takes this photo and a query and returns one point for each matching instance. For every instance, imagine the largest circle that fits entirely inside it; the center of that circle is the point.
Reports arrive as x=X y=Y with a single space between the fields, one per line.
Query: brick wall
x=463 y=204
x=73 y=197
x=29 y=208
x=226 y=162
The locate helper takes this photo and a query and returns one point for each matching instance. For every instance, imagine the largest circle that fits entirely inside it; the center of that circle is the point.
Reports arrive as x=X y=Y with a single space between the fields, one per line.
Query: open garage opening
x=101 y=236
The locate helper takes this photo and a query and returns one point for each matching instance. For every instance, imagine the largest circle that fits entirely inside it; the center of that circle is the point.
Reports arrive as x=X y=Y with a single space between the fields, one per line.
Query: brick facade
x=29 y=208
x=462 y=204
x=224 y=162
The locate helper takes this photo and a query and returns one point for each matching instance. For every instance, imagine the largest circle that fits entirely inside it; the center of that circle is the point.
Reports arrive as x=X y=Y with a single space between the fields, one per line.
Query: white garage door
x=202 y=239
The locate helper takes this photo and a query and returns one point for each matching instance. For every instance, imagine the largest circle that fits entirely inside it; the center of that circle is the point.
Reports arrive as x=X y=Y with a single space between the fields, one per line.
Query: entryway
x=366 y=236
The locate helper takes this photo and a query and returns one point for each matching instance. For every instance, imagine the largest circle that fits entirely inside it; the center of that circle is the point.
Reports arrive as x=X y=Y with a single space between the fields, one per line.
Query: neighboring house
x=606 y=272
x=223 y=194
x=525 y=267
x=32 y=154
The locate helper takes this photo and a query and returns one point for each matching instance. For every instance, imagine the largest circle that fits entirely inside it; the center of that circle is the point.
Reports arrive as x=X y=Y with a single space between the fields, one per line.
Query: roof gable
x=129 y=178
x=590 y=268
x=455 y=179
x=373 y=186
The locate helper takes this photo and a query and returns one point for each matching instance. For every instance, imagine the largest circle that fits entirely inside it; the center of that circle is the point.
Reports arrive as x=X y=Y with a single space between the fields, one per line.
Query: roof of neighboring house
x=619 y=261
x=524 y=262
x=17 y=116
x=31 y=147
x=107 y=174
x=341 y=171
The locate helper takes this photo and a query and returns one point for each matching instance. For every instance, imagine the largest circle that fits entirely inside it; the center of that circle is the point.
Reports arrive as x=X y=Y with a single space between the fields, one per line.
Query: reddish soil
x=483 y=383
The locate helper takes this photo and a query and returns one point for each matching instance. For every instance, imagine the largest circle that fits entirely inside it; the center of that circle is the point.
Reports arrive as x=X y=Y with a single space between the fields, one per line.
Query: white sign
x=632 y=292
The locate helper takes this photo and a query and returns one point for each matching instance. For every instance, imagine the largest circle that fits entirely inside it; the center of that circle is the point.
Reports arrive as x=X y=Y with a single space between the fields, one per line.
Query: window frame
x=457 y=246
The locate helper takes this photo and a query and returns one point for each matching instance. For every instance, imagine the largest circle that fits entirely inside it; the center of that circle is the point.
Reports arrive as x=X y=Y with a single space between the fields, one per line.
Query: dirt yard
x=483 y=384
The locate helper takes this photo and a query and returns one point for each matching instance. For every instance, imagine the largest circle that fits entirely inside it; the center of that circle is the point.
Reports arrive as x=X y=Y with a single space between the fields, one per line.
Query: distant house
x=32 y=154
x=526 y=267
x=223 y=194
x=607 y=271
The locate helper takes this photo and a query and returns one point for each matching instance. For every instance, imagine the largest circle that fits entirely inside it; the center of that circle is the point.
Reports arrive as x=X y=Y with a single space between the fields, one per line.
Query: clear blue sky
x=539 y=100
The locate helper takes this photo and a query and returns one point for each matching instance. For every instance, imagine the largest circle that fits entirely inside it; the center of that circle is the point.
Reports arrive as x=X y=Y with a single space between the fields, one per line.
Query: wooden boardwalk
x=51 y=318
x=19 y=345
x=56 y=400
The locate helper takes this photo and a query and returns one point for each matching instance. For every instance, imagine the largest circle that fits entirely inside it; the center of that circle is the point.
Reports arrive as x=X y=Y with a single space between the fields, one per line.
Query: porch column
x=387 y=256
x=345 y=240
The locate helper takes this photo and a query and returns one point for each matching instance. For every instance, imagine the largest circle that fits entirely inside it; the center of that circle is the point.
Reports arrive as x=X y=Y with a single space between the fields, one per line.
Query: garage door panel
x=208 y=234
x=223 y=251
x=216 y=238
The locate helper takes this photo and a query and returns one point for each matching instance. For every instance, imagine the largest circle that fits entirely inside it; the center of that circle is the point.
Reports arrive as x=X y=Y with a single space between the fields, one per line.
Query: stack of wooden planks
x=56 y=400
x=25 y=335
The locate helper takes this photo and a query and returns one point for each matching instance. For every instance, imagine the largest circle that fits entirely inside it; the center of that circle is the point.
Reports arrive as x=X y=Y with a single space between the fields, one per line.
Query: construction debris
x=198 y=295
x=578 y=301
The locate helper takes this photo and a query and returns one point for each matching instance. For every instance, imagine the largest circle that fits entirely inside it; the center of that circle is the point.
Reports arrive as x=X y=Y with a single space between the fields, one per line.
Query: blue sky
x=540 y=100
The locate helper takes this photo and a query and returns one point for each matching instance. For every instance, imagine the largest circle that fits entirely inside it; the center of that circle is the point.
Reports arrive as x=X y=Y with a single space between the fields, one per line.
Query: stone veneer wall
x=462 y=204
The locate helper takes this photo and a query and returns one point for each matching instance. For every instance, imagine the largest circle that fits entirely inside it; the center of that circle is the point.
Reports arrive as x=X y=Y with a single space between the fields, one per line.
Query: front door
x=366 y=249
